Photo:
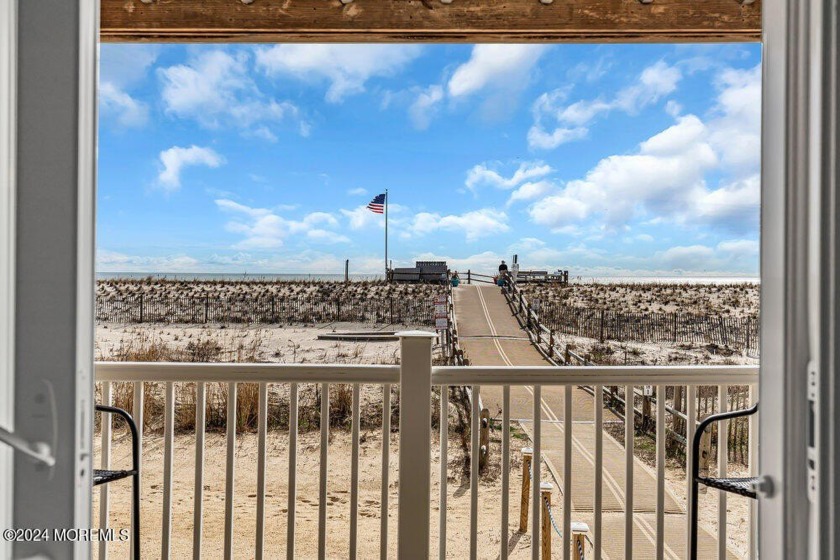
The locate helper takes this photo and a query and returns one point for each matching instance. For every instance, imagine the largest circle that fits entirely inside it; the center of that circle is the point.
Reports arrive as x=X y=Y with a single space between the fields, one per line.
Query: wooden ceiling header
x=472 y=21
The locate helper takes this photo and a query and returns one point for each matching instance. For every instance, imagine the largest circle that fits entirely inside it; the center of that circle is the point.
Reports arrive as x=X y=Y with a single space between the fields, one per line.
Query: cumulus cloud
x=425 y=106
x=264 y=228
x=358 y=191
x=556 y=122
x=474 y=224
x=121 y=68
x=347 y=68
x=214 y=88
x=495 y=66
x=485 y=174
x=128 y=111
x=530 y=191
x=667 y=177
x=175 y=159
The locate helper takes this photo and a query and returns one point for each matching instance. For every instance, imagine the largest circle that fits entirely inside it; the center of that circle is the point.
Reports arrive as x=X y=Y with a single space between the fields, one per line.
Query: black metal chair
x=102 y=476
x=742 y=486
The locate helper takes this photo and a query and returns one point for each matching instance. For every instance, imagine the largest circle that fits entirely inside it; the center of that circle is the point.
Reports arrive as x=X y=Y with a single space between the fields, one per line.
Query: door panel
x=56 y=78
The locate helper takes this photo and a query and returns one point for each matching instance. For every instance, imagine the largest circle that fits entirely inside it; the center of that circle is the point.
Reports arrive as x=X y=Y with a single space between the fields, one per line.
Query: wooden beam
x=430 y=20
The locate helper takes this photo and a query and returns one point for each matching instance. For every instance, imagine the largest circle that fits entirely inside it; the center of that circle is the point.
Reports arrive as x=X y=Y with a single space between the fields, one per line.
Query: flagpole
x=386 y=234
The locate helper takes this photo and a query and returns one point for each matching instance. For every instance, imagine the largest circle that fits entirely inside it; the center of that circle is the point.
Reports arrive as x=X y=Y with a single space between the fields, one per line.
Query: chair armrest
x=135 y=440
x=698 y=434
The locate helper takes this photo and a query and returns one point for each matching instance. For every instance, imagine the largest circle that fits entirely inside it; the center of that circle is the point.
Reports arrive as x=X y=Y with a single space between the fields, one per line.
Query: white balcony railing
x=416 y=378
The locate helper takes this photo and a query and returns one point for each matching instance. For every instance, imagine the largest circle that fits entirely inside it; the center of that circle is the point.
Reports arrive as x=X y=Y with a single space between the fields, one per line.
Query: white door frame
x=799 y=290
x=55 y=162
x=8 y=90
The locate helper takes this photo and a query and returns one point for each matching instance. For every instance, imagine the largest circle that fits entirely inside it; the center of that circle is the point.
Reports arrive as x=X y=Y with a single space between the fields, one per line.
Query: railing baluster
x=475 y=428
x=262 y=427
x=386 y=466
x=292 y=497
x=505 y=471
x=137 y=413
x=567 y=472
x=198 y=492
x=105 y=463
x=660 y=472
x=722 y=449
x=444 y=461
x=230 y=471
x=535 y=475
x=322 y=489
x=629 y=434
x=354 y=474
x=168 y=440
x=599 y=470
x=690 y=428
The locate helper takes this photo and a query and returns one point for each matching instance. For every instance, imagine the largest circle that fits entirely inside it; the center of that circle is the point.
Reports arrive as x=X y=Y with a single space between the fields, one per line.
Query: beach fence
x=706 y=399
x=143 y=308
x=738 y=334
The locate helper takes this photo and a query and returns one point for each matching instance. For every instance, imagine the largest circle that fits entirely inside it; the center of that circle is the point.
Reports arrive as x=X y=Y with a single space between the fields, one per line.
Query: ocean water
x=367 y=277
x=211 y=276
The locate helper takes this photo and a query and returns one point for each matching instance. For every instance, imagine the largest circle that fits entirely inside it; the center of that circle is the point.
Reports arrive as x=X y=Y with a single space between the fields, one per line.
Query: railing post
x=545 y=527
x=579 y=531
x=527 y=456
x=415 y=443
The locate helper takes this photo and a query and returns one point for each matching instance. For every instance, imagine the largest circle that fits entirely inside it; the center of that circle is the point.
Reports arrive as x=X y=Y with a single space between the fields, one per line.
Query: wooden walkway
x=490 y=335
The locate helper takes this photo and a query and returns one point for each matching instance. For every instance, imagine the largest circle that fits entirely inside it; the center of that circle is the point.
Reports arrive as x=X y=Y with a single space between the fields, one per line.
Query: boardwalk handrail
x=414 y=376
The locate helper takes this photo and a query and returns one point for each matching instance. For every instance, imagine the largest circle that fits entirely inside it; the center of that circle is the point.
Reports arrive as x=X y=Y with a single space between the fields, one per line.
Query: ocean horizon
x=322 y=277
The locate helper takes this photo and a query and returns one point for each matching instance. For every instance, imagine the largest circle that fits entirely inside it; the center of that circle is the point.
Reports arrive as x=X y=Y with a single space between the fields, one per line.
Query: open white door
x=47 y=178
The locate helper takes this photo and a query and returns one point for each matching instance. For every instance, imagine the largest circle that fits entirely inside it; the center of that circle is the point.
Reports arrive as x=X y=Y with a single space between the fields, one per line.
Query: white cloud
x=360 y=217
x=121 y=68
x=347 y=67
x=474 y=224
x=176 y=158
x=325 y=236
x=263 y=228
x=570 y=122
x=358 y=191
x=128 y=111
x=112 y=261
x=425 y=106
x=126 y=65
x=484 y=175
x=530 y=191
x=215 y=89
x=503 y=67
x=666 y=180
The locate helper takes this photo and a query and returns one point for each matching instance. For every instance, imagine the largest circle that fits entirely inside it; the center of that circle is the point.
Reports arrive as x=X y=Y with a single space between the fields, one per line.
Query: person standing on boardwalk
x=503 y=273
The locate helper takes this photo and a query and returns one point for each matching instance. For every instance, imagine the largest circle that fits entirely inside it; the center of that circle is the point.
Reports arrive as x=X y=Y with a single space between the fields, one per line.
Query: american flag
x=377 y=205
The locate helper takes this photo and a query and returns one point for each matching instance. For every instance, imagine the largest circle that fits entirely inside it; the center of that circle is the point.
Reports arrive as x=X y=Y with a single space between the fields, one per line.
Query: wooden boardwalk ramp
x=491 y=336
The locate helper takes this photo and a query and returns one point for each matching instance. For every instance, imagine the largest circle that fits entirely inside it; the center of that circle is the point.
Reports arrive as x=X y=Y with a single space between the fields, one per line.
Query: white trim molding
x=86 y=247
x=8 y=135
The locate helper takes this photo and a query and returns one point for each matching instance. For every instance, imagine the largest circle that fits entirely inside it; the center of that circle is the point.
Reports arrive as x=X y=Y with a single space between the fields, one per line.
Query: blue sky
x=599 y=159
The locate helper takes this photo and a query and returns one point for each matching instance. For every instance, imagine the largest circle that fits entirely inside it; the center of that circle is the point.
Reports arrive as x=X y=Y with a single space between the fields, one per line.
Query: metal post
x=527 y=455
x=347 y=270
x=415 y=443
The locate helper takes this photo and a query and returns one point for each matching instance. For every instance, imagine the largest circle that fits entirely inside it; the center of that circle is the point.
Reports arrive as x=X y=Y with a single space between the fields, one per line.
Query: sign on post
x=441 y=313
